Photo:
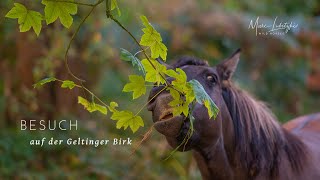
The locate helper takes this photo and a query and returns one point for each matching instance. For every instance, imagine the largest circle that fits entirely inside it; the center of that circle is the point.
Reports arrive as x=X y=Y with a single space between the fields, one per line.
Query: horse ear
x=228 y=66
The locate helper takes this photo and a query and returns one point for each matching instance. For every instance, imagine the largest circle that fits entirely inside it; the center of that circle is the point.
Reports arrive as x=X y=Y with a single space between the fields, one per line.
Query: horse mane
x=259 y=138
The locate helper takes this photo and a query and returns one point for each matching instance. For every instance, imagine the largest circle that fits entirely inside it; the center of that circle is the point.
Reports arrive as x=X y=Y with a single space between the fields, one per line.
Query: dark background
x=283 y=71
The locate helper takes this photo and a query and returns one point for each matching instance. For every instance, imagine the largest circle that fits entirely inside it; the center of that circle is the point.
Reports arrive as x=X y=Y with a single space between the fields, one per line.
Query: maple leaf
x=26 y=18
x=127 y=119
x=178 y=104
x=43 y=82
x=203 y=98
x=212 y=108
x=112 y=107
x=114 y=5
x=180 y=78
x=127 y=56
x=68 y=84
x=189 y=93
x=154 y=74
x=91 y=106
x=152 y=39
x=61 y=9
x=136 y=85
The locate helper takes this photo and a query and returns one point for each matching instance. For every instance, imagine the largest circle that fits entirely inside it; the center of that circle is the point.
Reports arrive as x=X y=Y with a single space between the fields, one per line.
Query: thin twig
x=135 y=40
x=143 y=50
x=95 y=96
x=150 y=100
x=140 y=51
x=144 y=138
x=72 y=38
x=72 y=2
x=86 y=89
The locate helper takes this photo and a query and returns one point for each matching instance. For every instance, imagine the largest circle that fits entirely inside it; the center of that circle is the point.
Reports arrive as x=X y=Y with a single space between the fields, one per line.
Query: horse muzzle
x=164 y=121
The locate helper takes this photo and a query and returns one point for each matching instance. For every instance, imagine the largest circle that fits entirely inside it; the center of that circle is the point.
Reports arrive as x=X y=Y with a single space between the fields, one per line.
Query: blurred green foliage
x=274 y=69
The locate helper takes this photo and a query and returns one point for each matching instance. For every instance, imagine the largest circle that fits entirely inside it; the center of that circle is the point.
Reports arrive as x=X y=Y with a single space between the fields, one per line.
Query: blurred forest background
x=282 y=70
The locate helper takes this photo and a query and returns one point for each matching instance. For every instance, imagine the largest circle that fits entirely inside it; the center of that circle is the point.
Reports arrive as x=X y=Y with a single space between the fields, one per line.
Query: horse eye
x=211 y=79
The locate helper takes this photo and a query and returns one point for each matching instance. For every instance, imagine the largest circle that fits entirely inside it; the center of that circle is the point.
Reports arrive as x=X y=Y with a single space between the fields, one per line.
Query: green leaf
x=180 y=78
x=114 y=5
x=154 y=74
x=113 y=106
x=43 y=81
x=178 y=104
x=26 y=18
x=152 y=39
x=136 y=85
x=127 y=56
x=63 y=10
x=100 y=108
x=127 y=119
x=203 y=98
x=68 y=84
x=92 y=107
x=189 y=93
x=212 y=108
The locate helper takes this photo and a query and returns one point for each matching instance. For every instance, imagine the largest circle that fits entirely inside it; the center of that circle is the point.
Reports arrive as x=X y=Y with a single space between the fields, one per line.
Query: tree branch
x=72 y=2
x=142 y=49
x=72 y=38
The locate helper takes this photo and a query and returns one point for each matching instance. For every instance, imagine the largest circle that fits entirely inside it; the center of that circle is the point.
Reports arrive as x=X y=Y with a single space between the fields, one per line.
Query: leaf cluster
x=153 y=73
x=183 y=92
x=53 y=9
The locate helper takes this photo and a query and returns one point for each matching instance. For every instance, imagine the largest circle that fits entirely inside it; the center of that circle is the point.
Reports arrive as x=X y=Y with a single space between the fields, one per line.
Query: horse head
x=206 y=131
x=244 y=141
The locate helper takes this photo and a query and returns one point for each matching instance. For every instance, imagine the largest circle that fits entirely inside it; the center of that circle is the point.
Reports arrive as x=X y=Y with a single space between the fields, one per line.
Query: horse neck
x=222 y=160
x=215 y=161
x=250 y=144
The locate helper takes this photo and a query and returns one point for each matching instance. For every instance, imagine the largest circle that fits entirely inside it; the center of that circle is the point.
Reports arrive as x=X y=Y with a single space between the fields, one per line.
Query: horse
x=245 y=140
